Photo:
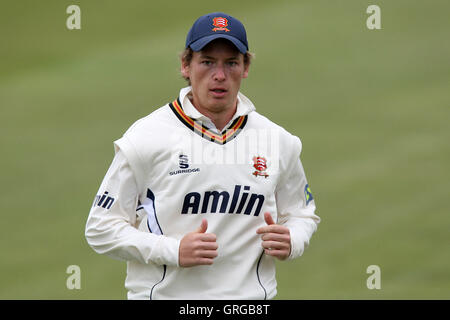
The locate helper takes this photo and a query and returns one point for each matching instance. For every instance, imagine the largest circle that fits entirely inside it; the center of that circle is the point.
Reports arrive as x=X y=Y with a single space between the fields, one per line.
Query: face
x=215 y=74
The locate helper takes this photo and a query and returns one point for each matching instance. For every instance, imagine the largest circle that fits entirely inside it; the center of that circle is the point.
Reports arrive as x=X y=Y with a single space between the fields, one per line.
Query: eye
x=207 y=62
x=232 y=63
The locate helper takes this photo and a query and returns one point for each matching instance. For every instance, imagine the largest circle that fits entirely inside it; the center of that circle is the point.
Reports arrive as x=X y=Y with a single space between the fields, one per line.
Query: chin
x=223 y=101
x=217 y=106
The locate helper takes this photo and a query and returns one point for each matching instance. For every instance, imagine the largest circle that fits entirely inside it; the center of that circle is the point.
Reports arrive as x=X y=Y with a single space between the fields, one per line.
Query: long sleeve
x=111 y=228
x=295 y=204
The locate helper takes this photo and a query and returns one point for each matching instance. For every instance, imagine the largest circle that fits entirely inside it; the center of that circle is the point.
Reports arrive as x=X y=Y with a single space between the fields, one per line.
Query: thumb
x=268 y=218
x=203 y=226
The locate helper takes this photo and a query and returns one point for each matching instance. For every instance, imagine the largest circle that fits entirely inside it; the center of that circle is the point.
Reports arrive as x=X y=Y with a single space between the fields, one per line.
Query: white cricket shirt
x=173 y=168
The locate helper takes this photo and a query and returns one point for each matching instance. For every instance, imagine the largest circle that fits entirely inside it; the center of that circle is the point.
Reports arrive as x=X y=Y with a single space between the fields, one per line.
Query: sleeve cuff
x=165 y=251
x=301 y=231
x=299 y=241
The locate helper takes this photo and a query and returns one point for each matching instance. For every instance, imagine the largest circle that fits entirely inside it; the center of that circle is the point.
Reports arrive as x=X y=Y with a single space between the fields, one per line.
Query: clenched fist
x=276 y=239
x=198 y=247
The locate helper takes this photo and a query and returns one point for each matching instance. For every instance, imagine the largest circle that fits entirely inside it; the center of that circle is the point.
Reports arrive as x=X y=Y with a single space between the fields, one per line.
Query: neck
x=220 y=119
x=220 y=116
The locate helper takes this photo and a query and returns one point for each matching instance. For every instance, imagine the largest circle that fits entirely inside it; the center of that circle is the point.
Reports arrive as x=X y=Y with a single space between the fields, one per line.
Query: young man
x=204 y=193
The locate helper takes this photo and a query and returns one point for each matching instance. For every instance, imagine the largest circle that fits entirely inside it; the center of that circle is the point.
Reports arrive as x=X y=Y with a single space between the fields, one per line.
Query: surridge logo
x=183 y=164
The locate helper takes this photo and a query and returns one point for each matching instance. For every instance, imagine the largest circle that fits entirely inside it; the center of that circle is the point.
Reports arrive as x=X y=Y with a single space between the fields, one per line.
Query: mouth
x=218 y=92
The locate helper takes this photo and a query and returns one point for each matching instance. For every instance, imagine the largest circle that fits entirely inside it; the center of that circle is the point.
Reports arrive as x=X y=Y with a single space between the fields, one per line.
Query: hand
x=276 y=238
x=198 y=247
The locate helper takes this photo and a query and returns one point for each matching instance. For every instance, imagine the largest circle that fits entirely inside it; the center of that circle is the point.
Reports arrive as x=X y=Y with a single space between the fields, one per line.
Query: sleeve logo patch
x=308 y=194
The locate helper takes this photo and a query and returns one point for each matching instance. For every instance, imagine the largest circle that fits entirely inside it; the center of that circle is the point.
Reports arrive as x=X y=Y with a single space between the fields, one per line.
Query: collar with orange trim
x=226 y=135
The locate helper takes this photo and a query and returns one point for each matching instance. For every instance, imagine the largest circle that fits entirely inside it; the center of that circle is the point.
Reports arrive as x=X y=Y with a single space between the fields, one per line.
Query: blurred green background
x=372 y=108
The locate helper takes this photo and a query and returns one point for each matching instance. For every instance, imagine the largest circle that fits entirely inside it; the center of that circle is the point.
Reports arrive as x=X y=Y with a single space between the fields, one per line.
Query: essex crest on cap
x=220 y=24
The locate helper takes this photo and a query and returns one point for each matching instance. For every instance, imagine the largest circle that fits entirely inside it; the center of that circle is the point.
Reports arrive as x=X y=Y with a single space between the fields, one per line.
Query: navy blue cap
x=217 y=25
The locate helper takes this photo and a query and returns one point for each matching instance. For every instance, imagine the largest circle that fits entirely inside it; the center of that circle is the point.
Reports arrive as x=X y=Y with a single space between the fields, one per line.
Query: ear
x=246 y=69
x=185 y=70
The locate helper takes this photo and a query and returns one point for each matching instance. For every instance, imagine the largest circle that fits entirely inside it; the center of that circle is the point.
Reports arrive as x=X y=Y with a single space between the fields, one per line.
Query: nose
x=219 y=74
